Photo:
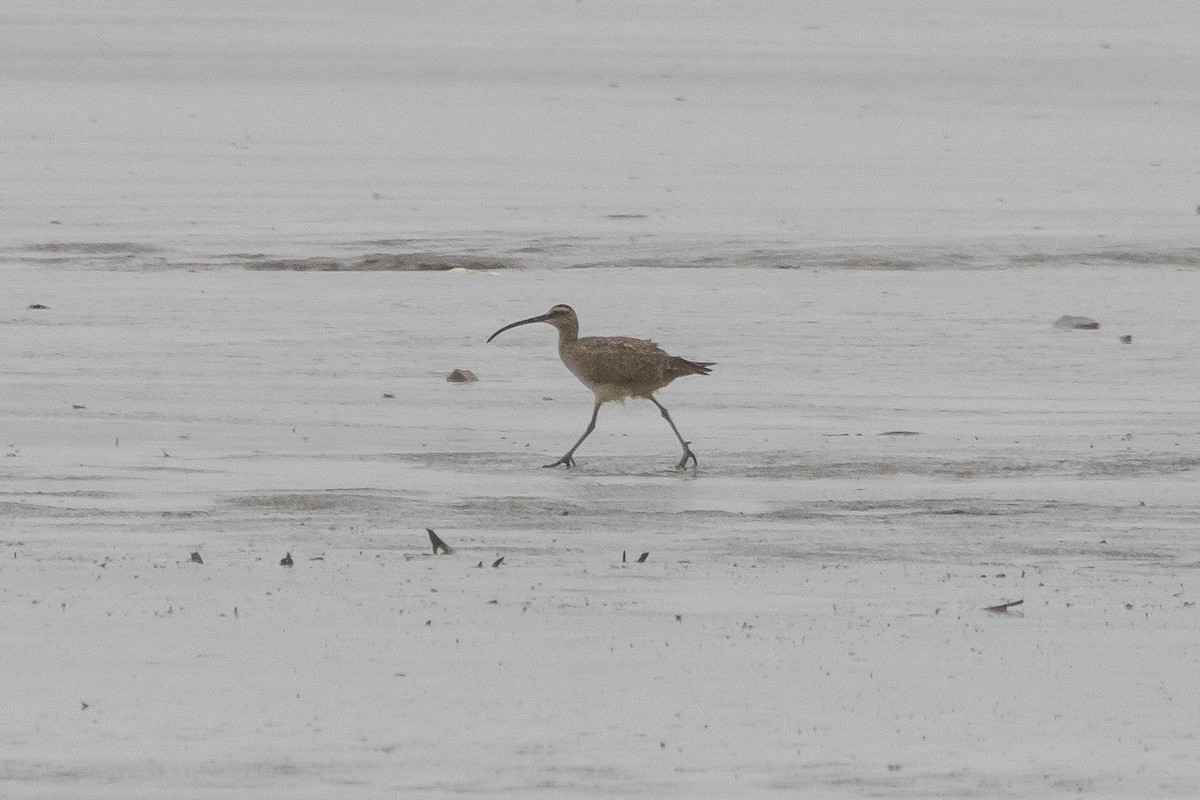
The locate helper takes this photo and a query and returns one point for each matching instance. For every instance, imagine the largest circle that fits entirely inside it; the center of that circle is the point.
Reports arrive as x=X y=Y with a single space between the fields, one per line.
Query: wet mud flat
x=884 y=456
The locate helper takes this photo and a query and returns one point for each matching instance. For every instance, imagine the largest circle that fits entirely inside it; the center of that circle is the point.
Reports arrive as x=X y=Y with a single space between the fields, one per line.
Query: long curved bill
x=540 y=318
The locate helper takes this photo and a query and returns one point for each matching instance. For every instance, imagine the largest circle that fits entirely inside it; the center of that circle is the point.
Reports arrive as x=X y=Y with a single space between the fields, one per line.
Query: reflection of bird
x=615 y=367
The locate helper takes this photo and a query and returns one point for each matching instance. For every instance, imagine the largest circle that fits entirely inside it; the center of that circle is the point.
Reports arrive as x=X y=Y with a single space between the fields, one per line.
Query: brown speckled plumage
x=614 y=368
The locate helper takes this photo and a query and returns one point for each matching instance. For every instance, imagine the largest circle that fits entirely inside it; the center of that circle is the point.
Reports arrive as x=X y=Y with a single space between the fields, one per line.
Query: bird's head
x=560 y=316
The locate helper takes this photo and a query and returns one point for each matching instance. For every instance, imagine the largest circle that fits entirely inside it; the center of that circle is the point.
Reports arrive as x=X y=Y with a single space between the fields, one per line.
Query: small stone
x=1126 y=339
x=462 y=376
x=1069 y=322
x=197 y=559
x=286 y=561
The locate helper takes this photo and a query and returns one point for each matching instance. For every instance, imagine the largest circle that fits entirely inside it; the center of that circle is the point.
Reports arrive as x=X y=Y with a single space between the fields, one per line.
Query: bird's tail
x=692 y=367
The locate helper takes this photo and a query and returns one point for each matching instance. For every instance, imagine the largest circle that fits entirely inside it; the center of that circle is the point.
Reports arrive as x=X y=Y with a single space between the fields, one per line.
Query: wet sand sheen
x=811 y=609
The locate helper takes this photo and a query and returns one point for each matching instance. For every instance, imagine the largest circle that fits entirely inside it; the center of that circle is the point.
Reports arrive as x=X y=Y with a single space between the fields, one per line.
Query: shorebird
x=614 y=368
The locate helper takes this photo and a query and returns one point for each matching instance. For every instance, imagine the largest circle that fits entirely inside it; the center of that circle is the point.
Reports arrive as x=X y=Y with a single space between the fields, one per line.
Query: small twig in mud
x=622 y=556
x=498 y=561
x=286 y=561
x=642 y=558
x=437 y=543
x=197 y=559
x=1004 y=607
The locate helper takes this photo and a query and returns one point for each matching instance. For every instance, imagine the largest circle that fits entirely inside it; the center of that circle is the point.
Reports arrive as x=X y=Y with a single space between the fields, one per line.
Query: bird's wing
x=620 y=361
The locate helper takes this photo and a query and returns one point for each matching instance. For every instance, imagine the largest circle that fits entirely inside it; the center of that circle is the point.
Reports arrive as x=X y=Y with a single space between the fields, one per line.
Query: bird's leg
x=567 y=461
x=687 y=451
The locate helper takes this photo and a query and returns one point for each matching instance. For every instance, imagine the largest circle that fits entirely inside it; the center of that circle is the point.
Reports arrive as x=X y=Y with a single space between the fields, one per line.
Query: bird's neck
x=568 y=333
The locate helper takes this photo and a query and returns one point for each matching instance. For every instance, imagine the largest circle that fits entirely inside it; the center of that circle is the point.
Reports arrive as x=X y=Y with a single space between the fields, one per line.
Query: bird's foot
x=565 y=461
x=687 y=454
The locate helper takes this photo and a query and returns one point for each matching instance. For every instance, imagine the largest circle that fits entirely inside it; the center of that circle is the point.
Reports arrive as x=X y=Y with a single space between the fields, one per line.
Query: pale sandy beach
x=869 y=222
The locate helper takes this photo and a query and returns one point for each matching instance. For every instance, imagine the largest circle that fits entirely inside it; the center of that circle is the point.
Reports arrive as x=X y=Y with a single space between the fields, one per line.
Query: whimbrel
x=615 y=367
